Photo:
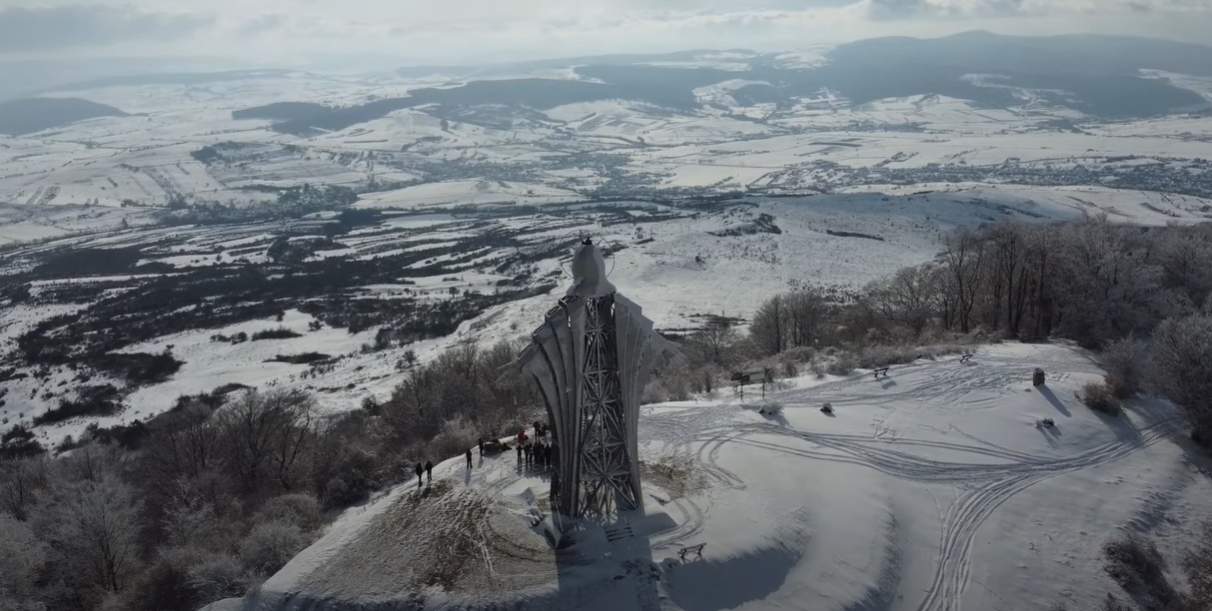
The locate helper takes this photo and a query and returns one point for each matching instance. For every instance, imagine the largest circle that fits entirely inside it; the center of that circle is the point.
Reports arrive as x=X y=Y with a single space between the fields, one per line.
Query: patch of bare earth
x=440 y=541
x=676 y=475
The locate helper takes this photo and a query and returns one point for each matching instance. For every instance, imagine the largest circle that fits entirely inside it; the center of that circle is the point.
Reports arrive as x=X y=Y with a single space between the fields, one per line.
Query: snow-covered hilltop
x=936 y=488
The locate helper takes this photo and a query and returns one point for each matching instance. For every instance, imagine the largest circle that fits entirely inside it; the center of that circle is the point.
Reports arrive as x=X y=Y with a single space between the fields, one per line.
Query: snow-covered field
x=672 y=266
x=466 y=192
x=728 y=185
x=936 y=488
x=414 y=157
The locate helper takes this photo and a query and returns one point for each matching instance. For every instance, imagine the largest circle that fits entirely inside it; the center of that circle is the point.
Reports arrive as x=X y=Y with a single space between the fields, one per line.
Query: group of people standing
x=536 y=452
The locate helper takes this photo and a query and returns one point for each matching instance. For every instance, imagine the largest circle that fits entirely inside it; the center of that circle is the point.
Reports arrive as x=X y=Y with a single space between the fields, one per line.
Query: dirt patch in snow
x=677 y=475
x=437 y=545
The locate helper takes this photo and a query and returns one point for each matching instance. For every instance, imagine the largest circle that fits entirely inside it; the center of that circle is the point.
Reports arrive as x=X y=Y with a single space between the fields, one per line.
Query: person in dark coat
x=420 y=470
x=468 y=455
x=481 y=447
x=429 y=470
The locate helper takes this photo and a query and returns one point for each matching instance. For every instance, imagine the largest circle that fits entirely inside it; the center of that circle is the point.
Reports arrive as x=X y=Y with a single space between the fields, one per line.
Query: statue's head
x=589 y=272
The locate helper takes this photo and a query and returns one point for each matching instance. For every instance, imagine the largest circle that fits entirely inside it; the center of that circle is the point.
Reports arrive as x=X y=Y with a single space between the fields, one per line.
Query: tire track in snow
x=991 y=477
x=995 y=482
x=966 y=515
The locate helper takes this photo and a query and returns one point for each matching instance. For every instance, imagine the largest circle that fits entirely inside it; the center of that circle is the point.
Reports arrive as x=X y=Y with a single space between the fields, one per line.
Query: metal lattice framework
x=589 y=361
x=606 y=485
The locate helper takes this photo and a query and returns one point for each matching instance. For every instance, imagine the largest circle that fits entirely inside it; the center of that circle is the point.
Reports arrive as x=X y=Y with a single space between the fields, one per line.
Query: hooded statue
x=590 y=360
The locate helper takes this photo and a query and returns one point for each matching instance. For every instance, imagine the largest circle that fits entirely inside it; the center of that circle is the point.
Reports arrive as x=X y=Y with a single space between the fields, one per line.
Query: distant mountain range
x=1097 y=75
x=1101 y=76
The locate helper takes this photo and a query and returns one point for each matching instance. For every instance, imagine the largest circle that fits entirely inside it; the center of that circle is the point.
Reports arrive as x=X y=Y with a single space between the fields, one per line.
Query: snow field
x=932 y=489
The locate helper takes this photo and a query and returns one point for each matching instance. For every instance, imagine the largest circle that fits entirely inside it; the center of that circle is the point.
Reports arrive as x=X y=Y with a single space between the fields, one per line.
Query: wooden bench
x=697 y=550
x=965 y=358
x=880 y=371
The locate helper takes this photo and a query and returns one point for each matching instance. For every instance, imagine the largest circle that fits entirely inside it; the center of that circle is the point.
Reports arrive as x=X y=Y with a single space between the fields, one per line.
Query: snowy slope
x=933 y=489
x=670 y=259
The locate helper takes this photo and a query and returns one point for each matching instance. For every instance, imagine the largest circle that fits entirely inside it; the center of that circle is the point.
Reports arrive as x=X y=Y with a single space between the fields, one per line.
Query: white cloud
x=423 y=31
x=53 y=27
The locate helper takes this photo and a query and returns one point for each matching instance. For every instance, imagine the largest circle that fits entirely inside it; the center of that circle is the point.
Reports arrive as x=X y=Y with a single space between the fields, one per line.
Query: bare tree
x=1184 y=257
x=1182 y=355
x=912 y=297
x=805 y=310
x=1125 y=361
x=715 y=340
x=1109 y=287
x=413 y=411
x=264 y=434
x=768 y=328
x=22 y=557
x=92 y=526
x=19 y=481
x=963 y=259
x=186 y=444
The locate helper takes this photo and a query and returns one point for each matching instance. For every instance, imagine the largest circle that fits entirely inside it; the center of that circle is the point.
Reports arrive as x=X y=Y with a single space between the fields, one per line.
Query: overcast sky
x=395 y=32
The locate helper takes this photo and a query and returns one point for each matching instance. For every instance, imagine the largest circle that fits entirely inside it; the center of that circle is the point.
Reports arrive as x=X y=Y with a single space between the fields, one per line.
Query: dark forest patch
x=19 y=442
x=853 y=234
x=303 y=358
x=764 y=223
x=31 y=115
x=278 y=333
x=104 y=400
x=138 y=368
x=282 y=111
x=91 y=261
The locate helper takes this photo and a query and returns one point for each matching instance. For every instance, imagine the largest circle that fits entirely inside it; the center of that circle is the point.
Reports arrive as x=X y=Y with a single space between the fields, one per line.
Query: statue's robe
x=592 y=477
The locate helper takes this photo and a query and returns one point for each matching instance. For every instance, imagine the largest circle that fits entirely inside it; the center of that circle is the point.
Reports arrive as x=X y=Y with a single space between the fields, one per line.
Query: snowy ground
x=933 y=489
x=494 y=154
x=824 y=171
x=670 y=260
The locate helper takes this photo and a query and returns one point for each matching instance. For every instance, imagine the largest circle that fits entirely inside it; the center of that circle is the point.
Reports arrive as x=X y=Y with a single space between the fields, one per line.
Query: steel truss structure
x=589 y=361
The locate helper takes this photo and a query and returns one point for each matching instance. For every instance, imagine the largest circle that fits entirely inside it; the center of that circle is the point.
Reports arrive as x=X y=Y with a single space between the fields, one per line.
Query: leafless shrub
x=842 y=364
x=270 y=545
x=1138 y=568
x=218 y=576
x=1182 y=349
x=1100 y=398
x=456 y=437
x=1125 y=361
x=22 y=557
x=300 y=509
x=883 y=356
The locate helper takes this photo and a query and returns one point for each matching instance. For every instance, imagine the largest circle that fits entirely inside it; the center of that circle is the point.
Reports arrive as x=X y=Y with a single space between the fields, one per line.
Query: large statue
x=590 y=360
